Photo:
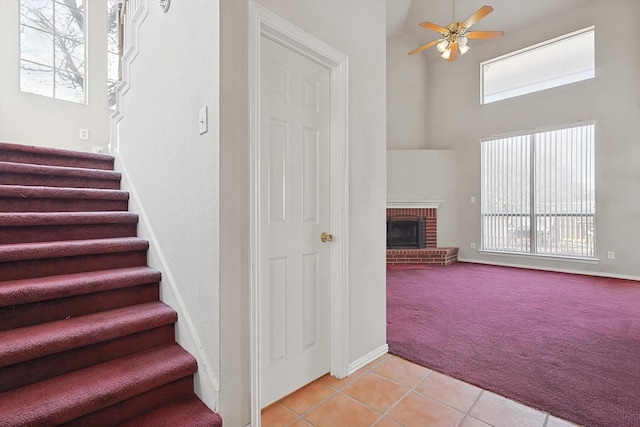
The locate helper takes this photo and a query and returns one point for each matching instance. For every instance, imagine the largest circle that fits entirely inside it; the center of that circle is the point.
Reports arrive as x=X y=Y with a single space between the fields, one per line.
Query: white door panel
x=294 y=204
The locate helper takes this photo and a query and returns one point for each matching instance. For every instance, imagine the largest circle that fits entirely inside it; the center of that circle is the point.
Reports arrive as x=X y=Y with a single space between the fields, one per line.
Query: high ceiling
x=509 y=15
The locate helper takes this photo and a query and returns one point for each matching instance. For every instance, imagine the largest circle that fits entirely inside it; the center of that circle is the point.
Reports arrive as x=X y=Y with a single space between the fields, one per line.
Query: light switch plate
x=203 y=122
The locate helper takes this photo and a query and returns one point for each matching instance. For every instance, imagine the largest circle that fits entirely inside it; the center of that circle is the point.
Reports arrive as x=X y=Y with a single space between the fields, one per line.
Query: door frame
x=264 y=23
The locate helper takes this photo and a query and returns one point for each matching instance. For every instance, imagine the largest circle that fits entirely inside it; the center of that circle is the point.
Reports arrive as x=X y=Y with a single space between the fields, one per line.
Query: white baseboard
x=367 y=358
x=558 y=270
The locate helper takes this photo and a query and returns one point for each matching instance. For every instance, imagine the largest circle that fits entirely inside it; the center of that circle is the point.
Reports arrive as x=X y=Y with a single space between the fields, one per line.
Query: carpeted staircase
x=84 y=338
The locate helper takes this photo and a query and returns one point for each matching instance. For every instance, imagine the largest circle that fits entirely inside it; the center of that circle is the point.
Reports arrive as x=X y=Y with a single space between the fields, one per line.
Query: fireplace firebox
x=406 y=232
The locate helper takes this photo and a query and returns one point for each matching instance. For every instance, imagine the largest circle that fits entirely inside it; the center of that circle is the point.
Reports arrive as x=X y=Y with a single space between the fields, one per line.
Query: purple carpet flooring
x=563 y=343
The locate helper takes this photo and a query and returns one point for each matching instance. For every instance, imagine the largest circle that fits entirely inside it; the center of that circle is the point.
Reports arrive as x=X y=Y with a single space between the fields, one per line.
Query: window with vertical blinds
x=538 y=192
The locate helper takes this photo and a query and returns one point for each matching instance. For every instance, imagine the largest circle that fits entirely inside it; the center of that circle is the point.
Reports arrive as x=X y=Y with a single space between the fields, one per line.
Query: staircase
x=84 y=338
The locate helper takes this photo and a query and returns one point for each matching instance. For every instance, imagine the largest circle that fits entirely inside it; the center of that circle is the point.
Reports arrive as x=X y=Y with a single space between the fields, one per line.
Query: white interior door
x=295 y=125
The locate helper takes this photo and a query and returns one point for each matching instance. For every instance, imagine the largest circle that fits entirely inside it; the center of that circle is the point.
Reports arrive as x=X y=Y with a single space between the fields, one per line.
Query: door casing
x=264 y=23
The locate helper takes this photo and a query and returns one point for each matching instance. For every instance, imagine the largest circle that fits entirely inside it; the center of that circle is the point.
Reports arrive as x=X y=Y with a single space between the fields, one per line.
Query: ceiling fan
x=456 y=35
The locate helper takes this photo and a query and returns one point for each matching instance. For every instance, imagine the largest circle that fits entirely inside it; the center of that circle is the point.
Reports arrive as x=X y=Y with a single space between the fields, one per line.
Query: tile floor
x=392 y=392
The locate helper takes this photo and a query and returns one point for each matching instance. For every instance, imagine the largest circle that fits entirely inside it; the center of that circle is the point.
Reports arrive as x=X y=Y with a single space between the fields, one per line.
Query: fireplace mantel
x=413 y=204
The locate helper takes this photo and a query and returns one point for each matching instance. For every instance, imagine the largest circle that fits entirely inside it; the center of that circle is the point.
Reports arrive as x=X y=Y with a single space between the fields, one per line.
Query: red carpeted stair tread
x=175 y=414
x=28 y=219
x=64 y=398
x=41 y=250
x=31 y=342
x=19 y=153
x=41 y=192
x=25 y=291
x=57 y=176
x=31 y=227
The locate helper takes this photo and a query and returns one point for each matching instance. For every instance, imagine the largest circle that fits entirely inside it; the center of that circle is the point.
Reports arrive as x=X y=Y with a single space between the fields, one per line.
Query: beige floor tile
x=375 y=391
x=376 y=362
x=401 y=371
x=472 y=422
x=300 y=423
x=557 y=422
x=339 y=384
x=450 y=391
x=418 y=411
x=341 y=410
x=308 y=396
x=277 y=415
x=387 y=422
x=502 y=412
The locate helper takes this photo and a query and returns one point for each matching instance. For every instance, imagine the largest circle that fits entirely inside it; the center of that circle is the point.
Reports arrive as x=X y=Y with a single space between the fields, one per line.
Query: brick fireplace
x=431 y=254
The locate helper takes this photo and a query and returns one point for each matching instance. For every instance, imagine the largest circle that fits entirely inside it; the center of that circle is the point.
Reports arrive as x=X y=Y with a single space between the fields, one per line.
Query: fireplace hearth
x=404 y=244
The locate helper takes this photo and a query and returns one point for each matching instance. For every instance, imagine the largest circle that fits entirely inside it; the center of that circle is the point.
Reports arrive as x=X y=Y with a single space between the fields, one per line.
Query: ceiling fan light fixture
x=456 y=35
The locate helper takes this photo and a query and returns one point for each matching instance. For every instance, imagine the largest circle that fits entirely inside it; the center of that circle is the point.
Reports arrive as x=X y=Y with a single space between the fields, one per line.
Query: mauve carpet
x=563 y=343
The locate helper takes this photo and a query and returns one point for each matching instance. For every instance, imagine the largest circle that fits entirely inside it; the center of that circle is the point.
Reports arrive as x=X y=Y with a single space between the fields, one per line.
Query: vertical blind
x=538 y=192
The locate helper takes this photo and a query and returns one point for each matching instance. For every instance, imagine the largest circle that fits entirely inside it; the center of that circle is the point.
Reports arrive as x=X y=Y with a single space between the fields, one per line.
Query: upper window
x=52 y=48
x=538 y=192
x=112 y=51
x=557 y=62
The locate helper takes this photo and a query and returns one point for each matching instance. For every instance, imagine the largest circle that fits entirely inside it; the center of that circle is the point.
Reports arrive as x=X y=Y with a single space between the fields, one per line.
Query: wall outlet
x=473 y=199
x=473 y=245
x=84 y=134
x=611 y=255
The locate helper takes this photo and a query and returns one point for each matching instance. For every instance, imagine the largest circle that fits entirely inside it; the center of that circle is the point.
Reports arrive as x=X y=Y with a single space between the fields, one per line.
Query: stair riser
x=54 y=233
x=12 y=204
x=15 y=270
x=135 y=406
x=59 y=181
x=32 y=371
x=48 y=311
x=8 y=155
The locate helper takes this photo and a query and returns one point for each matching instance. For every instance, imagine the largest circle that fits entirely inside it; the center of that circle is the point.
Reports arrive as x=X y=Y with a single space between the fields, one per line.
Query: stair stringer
x=206 y=379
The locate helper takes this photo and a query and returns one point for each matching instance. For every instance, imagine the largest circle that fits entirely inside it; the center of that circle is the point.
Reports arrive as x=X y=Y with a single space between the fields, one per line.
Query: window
x=538 y=192
x=563 y=60
x=112 y=51
x=52 y=48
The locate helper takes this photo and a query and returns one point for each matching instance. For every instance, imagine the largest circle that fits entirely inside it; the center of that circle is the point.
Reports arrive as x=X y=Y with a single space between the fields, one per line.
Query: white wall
x=357 y=28
x=611 y=99
x=31 y=119
x=407 y=95
x=174 y=171
x=235 y=396
x=427 y=175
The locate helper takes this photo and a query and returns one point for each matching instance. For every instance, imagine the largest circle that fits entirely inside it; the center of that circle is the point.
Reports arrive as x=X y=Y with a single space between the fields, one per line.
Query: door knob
x=326 y=237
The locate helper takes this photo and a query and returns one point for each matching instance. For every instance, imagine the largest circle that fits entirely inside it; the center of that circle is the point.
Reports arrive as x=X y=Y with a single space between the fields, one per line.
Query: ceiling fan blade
x=484 y=34
x=424 y=47
x=478 y=15
x=434 y=27
x=454 y=52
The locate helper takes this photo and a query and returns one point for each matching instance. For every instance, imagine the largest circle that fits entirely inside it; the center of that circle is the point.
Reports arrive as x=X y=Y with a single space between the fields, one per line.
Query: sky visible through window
x=52 y=48
x=561 y=61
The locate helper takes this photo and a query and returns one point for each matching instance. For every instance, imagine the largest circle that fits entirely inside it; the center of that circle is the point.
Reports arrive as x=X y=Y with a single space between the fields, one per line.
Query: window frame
x=532 y=48
x=533 y=213
x=56 y=70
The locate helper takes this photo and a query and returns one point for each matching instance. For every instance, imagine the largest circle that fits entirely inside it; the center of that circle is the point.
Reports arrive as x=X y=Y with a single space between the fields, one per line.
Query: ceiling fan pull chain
x=453 y=12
